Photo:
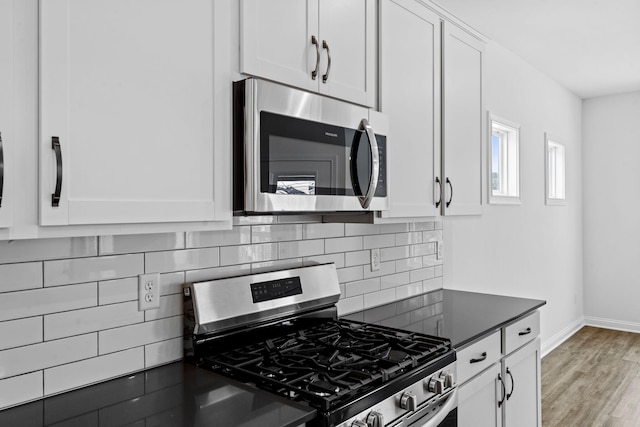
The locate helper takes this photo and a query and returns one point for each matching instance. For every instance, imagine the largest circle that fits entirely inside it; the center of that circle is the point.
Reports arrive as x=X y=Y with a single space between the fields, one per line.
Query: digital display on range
x=274 y=289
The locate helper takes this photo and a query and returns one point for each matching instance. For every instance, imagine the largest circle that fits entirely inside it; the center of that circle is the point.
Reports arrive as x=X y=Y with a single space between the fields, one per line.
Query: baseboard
x=617 y=325
x=549 y=345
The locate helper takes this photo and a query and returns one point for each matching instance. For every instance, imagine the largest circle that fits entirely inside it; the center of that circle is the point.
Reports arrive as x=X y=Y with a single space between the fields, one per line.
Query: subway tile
x=378 y=298
x=432 y=284
x=19 y=277
x=395 y=228
x=431 y=260
x=363 y=287
x=361 y=229
x=78 y=270
x=252 y=220
x=394 y=280
x=421 y=274
x=432 y=236
x=186 y=259
x=20 y=332
x=119 y=290
x=171 y=283
x=343 y=244
x=33 y=357
x=261 y=267
x=343 y=292
x=422 y=249
x=358 y=258
x=45 y=249
x=93 y=319
x=408 y=264
x=300 y=248
x=239 y=235
x=170 y=305
x=337 y=259
x=89 y=371
x=125 y=337
x=230 y=255
x=350 y=274
x=378 y=241
x=409 y=290
x=20 y=389
x=207 y=274
x=438 y=225
x=350 y=305
x=322 y=231
x=15 y=305
x=275 y=233
x=395 y=253
x=421 y=226
x=409 y=238
x=386 y=268
x=437 y=271
x=132 y=243
x=163 y=352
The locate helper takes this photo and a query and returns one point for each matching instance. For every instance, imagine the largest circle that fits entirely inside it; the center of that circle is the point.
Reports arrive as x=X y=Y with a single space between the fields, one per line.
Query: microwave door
x=364 y=162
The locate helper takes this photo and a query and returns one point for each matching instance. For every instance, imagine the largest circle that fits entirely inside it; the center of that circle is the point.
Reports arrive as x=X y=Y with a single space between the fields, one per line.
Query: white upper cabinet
x=463 y=123
x=7 y=141
x=127 y=111
x=325 y=46
x=410 y=97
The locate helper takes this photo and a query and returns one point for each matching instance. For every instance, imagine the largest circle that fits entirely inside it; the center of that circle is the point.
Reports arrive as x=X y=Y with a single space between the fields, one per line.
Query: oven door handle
x=424 y=417
x=365 y=200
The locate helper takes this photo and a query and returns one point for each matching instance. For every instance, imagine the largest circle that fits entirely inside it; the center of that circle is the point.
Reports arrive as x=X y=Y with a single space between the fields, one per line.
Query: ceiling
x=592 y=47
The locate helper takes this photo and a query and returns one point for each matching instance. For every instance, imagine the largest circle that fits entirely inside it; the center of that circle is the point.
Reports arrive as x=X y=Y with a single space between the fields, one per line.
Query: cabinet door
x=126 y=88
x=410 y=97
x=7 y=142
x=463 y=124
x=347 y=32
x=276 y=41
x=521 y=371
x=478 y=400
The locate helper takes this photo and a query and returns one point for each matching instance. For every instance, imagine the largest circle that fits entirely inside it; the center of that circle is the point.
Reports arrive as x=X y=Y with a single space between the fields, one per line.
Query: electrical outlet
x=375 y=259
x=439 y=249
x=148 y=291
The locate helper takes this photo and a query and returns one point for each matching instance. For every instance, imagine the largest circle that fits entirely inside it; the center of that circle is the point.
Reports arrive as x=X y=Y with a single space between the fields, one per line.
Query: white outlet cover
x=148 y=291
x=375 y=259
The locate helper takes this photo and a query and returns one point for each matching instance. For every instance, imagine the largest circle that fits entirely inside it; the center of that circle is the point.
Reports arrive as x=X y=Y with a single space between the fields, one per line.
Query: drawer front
x=521 y=332
x=478 y=356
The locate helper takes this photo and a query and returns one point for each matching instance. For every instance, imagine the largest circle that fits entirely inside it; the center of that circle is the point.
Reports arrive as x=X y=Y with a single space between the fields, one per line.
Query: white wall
x=531 y=250
x=611 y=183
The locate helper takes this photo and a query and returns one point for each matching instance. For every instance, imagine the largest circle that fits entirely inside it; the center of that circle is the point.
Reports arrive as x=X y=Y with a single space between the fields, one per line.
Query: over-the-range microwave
x=296 y=151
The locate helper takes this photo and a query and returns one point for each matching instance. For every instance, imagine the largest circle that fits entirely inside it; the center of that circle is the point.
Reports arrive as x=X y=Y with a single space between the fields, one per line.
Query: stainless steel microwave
x=296 y=151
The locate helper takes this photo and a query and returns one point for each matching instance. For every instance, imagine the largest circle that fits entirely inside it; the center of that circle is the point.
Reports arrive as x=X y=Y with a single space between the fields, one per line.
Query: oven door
x=445 y=416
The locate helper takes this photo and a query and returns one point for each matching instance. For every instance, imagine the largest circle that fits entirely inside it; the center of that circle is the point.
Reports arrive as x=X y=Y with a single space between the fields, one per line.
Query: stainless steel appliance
x=279 y=331
x=296 y=151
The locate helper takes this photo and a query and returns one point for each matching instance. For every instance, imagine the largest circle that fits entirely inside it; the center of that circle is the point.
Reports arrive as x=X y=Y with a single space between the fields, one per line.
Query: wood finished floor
x=593 y=379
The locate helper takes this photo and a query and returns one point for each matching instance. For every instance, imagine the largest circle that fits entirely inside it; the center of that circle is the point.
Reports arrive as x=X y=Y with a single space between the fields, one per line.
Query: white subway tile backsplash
x=392 y=254
x=240 y=235
x=409 y=238
x=337 y=259
x=422 y=249
x=45 y=249
x=361 y=229
x=127 y=244
x=437 y=270
x=421 y=274
x=420 y=226
x=20 y=389
x=119 y=290
x=322 y=231
x=350 y=274
x=432 y=284
x=358 y=258
x=408 y=264
x=409 y=290
x=394 y=280
x=125 y=337
x=16 y=333
x=394 y=228
x=92 y=370
x=78 y=270
x=373 y=299
x=162 y=352
x=388 y=267
x=343 y=244
x=170 y=305
x=93 y=319
x=186 y=259
x=350 y=305
x=275 y=233
x=300 y=248
x=230 y=255
x=261 y=267
x=437 y=225
x=216 y=273
x=363 y=287
x=378 y=241
x=171 y=283
x=15 y=305
x=19 y=277
x=431 y=260
x=432 y=236
x=33 y=357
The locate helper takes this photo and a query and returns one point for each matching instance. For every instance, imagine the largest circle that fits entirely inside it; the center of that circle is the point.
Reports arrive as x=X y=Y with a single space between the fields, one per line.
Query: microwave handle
x=365 y=200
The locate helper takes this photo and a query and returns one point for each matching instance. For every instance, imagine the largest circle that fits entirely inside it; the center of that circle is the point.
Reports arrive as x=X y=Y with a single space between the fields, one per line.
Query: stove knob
x=448 y=379
x=436 y=385
x=359 y=423
x=408 y=401
x=375 y=419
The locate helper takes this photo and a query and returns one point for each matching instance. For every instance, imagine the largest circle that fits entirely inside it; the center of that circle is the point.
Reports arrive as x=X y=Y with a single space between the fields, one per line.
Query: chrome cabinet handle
x=482 y=358
x=55 y=197
x=1 y=169
x=525 y=332
x=439 y=199
x=365 y=200
x=325 y=76
x=504 y=391
x=314 y=41
x=513 y=384
x=451 y=194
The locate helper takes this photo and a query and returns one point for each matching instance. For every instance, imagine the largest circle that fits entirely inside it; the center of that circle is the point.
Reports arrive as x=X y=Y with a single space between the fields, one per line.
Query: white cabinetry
x=521 y=373
x=326 y=46
x=477 y=400
x=463 y=124
x=7 y=141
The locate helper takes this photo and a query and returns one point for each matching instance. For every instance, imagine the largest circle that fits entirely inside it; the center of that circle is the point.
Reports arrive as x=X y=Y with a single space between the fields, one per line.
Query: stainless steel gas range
x=279 y=331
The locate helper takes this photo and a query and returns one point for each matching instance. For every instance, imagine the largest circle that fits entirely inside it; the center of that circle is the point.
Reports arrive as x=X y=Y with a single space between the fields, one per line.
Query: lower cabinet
x=477 y=400
x=521 y=373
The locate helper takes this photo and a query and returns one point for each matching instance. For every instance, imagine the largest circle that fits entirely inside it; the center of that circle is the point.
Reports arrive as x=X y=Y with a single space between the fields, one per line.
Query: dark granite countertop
x=174 y=395
x=461 y=316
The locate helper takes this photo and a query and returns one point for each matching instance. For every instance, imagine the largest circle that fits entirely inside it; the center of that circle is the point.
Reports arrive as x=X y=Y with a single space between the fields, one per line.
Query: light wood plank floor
x=593 y=379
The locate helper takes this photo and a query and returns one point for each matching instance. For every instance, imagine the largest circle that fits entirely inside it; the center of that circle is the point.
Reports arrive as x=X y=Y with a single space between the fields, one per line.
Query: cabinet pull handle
x=482 y=358
x=365 y=200
x=504 y=391
x=513 y=384
x=1 y=169
x=451 y=193
x=439 y=199
x=55 y=197
x=314 y=41
x=525 y=332
x=325 y=76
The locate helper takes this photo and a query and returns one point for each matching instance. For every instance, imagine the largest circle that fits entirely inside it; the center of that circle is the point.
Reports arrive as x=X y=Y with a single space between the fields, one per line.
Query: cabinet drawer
x=478 y=356
x=521 y=332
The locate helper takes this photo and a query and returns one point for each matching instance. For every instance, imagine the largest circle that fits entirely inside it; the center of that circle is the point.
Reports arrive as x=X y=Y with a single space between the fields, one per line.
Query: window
x=555 y=168
x=504 y=149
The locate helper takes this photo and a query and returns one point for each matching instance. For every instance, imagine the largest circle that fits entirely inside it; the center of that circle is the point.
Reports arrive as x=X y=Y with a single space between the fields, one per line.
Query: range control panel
x=274 y=289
